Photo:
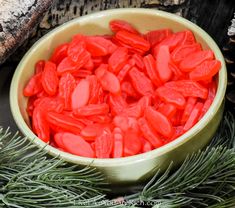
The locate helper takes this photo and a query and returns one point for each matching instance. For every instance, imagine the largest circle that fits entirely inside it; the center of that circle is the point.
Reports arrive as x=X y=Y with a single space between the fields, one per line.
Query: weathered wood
x=65 y=10
x=18 y=19
x=212 y=15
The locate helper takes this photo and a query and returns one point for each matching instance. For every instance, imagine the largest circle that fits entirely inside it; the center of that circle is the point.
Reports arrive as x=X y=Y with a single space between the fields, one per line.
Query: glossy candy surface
x=112 y=96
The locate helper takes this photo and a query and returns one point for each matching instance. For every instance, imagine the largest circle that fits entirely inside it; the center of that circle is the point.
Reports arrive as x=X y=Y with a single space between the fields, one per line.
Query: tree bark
x=18 y=19
x=65 y=10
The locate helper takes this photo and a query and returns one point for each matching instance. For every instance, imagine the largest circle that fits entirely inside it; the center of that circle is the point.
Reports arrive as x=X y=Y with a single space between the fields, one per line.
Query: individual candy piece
x=191 y=101
x=50 y=79
x=132 y=143
x=124 y=71
x=205 y=107
x=118 y=59
x=118 y=141
x=66 y=123
x=188 y=88
x=183 y=51
x=126 y=123
x=205 y=71
x=108 y=80
x=81 y=94
x=194 y=59
x=189 y=38
x=135 y=111
x=149 y=134
x=54 y=104
x=140 y=82
x=194 y=116
x=146 y=147
x=150 y=65
x=133 y=40
x=92 y=109
x=169 y=110
x=30 y=105
x=171 y=96
x=156 y=36
x=40 y=125
x=122 y=25
x=39 y=66
x=138 y=61
x=59 y=53
x=92 y=131
x=104 y=144
x=66 y=65
x=59 y=141
x=67 y=84
x=212 y=90
x=34 y=85
x=99 y=46
x=117 y=104
x=159 y=122
x=162 y=63
x=75 y=144
x=171 y=41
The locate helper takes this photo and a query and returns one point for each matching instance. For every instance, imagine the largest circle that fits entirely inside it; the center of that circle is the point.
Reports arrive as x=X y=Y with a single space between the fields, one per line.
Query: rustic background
x=22 y=22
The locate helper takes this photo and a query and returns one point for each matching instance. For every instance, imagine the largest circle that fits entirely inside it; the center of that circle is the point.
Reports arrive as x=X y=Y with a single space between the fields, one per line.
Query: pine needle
x=205 y=178
x=29 y=179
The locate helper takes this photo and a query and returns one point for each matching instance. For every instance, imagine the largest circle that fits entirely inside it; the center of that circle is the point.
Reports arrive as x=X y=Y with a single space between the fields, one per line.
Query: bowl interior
x=95 y=24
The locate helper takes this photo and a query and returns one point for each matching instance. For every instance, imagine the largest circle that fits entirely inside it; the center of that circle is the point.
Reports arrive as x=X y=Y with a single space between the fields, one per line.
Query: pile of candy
x=124 y=94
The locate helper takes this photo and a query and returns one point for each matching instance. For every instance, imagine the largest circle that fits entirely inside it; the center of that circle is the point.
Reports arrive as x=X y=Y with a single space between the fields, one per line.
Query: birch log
x=65 y=10
x=18 y=18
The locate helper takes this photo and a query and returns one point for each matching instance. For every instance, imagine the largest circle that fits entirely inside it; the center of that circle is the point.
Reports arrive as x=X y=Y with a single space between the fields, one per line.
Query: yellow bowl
x=139 y=167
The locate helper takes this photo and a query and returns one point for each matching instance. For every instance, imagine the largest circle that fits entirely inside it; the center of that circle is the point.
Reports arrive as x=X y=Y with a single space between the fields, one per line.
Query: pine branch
x=230 y=202
x=205 y=178
x=29 y=179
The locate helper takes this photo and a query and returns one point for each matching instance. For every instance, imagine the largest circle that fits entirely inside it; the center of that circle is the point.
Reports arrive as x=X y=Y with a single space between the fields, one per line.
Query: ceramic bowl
x=140 y=167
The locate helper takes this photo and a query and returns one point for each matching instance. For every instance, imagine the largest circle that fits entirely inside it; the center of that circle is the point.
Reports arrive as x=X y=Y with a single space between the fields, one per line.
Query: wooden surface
x=18 y=19
x=21 y=18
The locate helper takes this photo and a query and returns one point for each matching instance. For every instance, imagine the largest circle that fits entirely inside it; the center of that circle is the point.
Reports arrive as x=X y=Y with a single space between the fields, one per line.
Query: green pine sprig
x=205 y=178
x=28 y=178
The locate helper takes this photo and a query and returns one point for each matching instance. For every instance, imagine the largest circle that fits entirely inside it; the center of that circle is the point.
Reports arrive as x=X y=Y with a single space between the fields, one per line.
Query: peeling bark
x=18 y=19
x=65 y=10
x=62 y=11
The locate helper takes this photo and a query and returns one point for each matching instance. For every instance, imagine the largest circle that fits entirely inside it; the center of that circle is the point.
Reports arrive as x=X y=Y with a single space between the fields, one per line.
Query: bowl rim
x=111 y=162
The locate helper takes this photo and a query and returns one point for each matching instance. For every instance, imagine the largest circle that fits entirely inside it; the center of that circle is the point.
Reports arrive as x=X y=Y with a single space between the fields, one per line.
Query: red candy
x=81 y=94
x=113 y=96
x=74 y=144
x=162 y=66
